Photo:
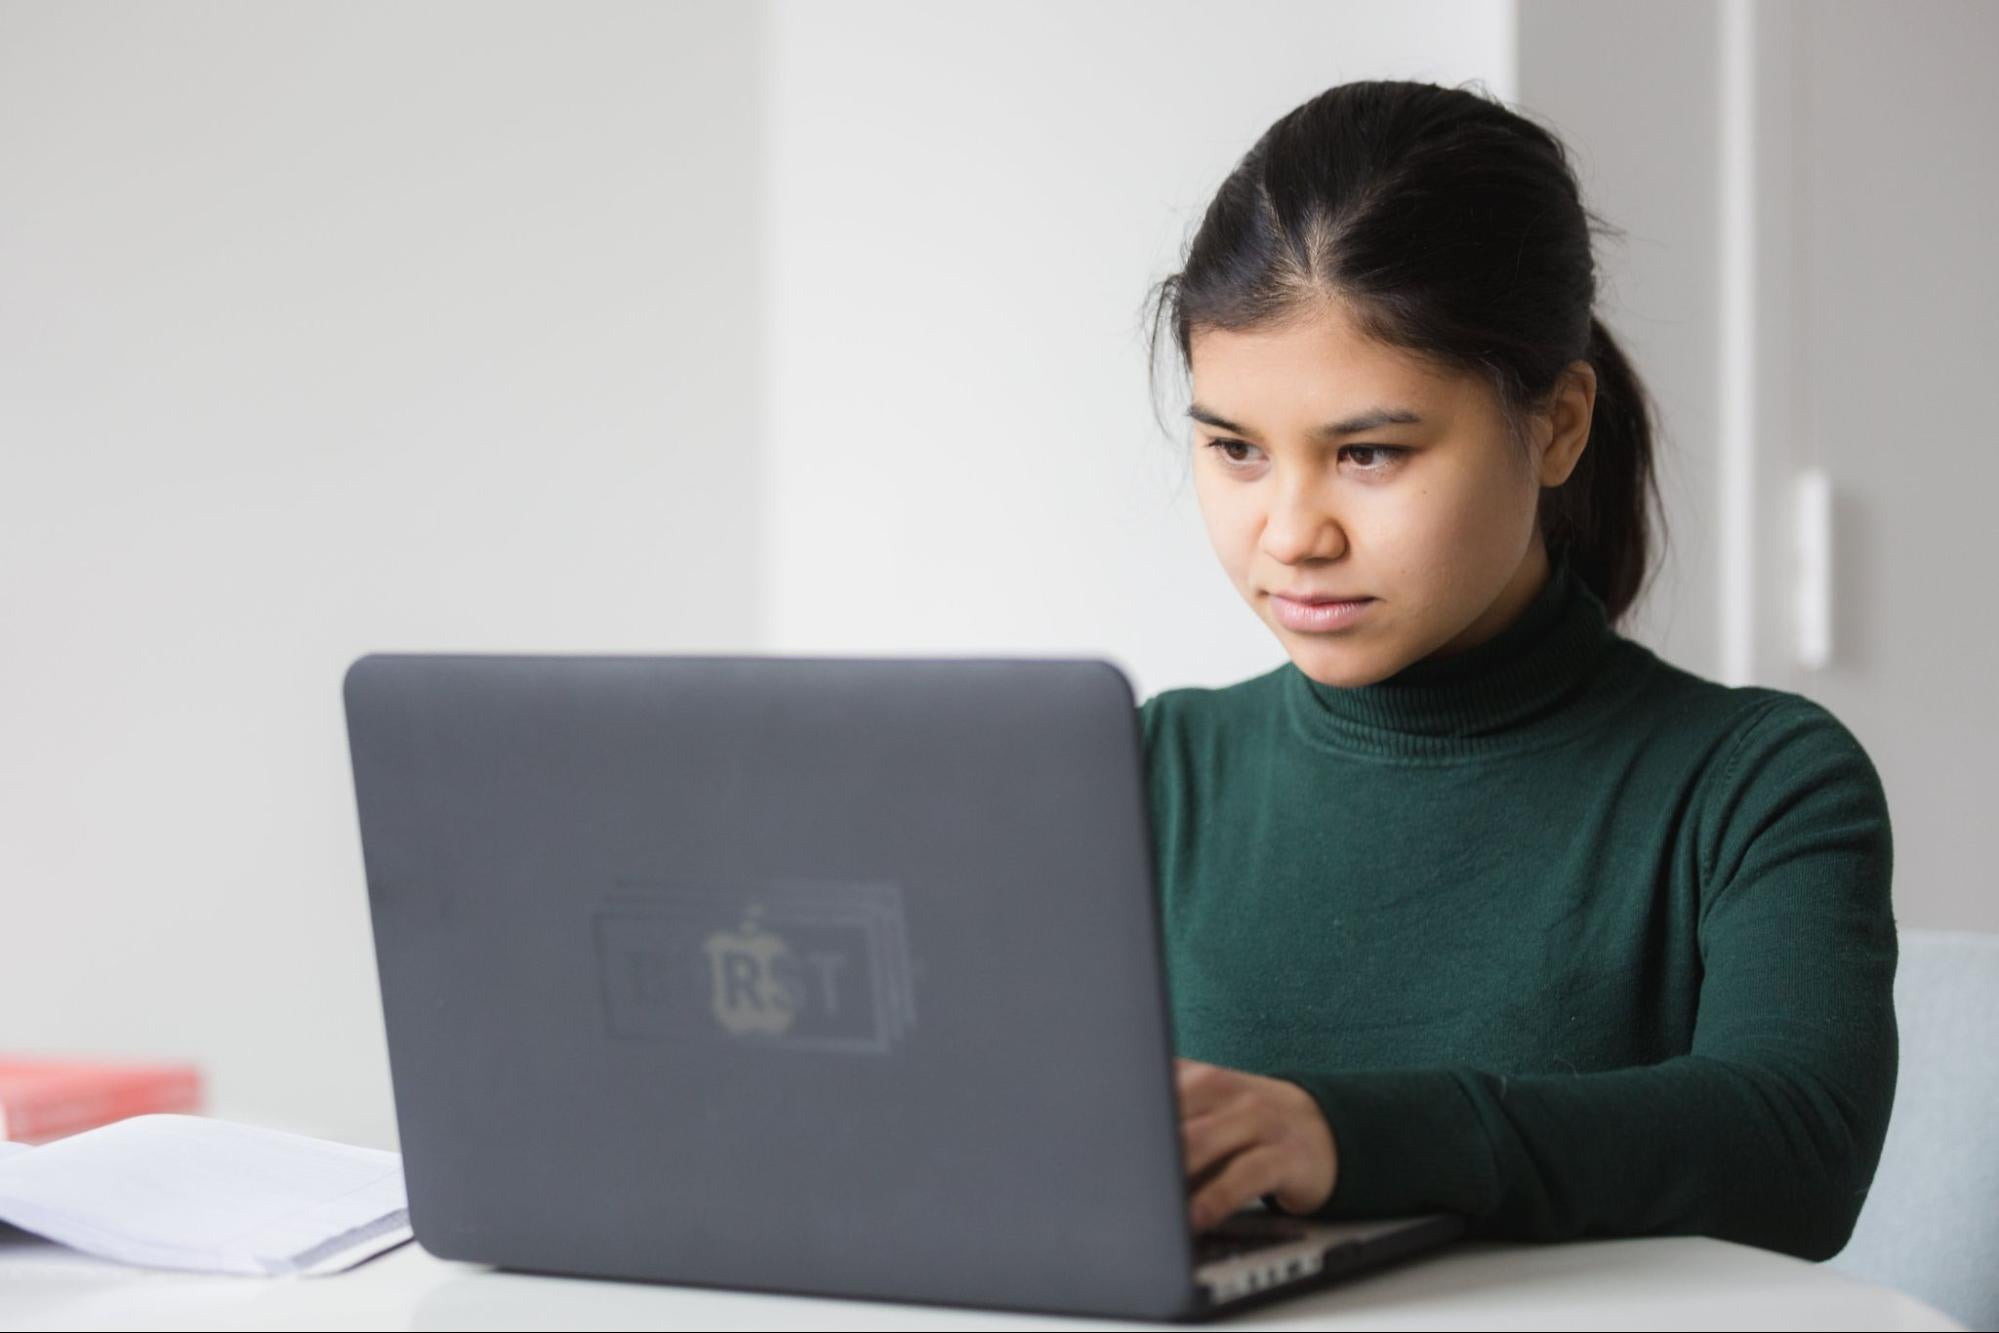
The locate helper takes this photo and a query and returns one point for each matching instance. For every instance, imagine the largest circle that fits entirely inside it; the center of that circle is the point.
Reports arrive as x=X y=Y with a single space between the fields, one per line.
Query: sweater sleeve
x=1768 y=1129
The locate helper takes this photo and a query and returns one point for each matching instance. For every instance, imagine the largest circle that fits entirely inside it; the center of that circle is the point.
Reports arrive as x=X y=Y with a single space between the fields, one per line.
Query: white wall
x=327 y=328
x=331 y=327
x=966 y=215
x=1879 y=342
x=1634 y=91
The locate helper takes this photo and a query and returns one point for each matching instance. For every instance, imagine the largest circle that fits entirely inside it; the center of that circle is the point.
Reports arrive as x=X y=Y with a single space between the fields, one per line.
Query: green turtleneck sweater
x=1559 y=936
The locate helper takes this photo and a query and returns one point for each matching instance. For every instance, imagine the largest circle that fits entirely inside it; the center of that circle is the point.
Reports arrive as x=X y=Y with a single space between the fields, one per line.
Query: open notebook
x=190 y=1192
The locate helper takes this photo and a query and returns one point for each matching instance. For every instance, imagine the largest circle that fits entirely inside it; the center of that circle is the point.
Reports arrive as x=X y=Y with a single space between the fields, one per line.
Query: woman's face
x=1430 y=519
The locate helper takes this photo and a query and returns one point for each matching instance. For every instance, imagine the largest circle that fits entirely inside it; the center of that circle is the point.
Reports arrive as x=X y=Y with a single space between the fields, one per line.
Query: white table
x=1681 y=1283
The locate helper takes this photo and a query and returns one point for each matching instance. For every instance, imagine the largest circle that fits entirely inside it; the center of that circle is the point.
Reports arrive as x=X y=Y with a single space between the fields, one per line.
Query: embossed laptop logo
x=791 y=964
x=756 y=986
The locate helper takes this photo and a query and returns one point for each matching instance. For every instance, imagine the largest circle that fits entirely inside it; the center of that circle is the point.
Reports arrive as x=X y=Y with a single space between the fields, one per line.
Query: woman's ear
x=1569 y=412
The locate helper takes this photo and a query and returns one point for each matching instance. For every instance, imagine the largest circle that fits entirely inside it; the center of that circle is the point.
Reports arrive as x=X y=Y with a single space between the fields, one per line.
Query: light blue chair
x=1930 y=1226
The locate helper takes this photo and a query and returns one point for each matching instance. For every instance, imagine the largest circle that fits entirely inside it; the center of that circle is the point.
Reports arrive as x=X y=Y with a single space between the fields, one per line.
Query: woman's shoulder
x=1782 y=771
x=1211 y=711
x=1757 y=728
x=1790 y=756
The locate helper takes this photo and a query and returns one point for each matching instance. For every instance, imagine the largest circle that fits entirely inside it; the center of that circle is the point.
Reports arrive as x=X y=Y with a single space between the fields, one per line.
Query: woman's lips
x=1312 y=617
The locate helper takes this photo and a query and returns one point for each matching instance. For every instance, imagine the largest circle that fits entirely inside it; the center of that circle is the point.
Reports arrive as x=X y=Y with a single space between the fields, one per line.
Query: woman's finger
x=1207 y=1138
x=1202 y=1087
x=1248 y=1175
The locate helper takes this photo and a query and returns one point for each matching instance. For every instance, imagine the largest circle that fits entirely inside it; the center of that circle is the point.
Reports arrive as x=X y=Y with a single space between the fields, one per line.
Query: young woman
x=1475 y=905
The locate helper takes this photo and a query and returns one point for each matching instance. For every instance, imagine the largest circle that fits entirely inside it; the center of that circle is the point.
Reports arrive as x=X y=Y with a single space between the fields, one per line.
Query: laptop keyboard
x=1225 y=1242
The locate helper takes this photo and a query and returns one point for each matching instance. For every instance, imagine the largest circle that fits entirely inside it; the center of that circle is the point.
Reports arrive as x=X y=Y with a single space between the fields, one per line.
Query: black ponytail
x=1453 y=227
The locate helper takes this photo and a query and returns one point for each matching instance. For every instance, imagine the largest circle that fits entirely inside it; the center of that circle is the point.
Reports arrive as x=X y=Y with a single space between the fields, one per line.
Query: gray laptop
x=819 y=975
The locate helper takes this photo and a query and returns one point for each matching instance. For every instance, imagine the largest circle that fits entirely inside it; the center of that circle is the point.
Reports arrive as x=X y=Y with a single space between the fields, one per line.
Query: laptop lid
x=798 y=974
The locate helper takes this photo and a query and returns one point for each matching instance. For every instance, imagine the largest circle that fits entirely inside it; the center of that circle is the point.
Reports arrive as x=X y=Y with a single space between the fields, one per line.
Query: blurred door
x=1877 y=194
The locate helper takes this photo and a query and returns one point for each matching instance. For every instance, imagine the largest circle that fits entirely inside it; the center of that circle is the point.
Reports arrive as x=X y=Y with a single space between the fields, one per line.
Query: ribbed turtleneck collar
x=1483 y=700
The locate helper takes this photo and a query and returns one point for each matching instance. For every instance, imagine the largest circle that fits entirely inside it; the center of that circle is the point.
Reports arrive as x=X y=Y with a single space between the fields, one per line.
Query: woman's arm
x=1768 y=1130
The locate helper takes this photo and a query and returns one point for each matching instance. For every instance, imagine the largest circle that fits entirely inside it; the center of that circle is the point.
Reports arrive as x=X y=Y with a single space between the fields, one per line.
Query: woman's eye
x=1376 y=457
x=1387 y=453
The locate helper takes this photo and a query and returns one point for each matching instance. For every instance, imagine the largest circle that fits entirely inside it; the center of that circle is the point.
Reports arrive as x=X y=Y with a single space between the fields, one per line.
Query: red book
x=42 y=1099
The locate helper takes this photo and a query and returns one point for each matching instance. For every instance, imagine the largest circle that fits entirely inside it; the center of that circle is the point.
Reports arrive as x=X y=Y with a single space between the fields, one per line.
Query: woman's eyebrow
x=1353 y=425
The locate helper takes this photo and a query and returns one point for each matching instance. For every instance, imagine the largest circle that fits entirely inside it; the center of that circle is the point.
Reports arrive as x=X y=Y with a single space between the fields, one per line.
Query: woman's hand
x=1246 y=1136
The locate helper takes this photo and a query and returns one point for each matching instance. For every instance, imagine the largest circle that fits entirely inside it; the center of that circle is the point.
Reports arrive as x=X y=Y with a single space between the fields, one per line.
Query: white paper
x=183 y=1191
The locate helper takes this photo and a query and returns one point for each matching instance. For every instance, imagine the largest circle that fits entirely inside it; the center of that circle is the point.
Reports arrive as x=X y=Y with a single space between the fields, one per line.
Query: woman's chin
x=1341 y=667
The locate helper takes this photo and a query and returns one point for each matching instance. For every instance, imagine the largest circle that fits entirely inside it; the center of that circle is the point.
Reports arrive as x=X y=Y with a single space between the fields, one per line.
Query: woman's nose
x=1299 y=527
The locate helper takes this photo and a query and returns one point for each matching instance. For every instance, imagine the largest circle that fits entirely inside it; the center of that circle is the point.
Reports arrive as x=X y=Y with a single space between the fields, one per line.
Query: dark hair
x=1452 y=227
